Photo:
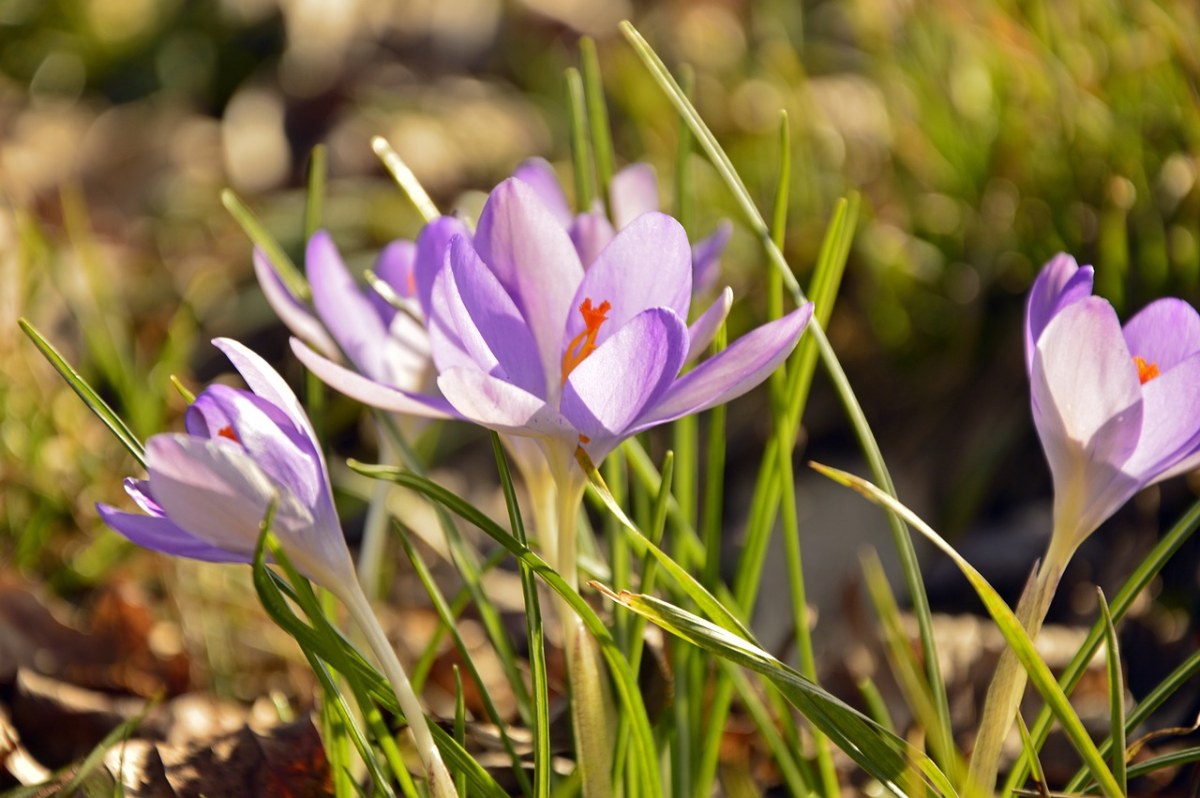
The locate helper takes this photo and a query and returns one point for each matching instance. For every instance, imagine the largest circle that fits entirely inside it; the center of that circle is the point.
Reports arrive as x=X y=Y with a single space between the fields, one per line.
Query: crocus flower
x=209 y=490
x=528 y=343
x=1117 y=409
x=632 y=192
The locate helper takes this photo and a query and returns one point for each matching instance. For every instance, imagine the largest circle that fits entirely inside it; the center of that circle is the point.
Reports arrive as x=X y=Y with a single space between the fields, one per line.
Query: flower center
x=1146 y=371
x=227 y=432
x=584 y=344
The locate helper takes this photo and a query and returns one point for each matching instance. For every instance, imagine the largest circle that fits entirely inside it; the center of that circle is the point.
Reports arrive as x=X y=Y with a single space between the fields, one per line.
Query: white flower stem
x=441 y=785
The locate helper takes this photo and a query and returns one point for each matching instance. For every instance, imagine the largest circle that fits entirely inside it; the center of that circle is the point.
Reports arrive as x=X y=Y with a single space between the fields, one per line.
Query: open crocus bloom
x=1117 y=409
x=632 y=192
x=209 y=489
x=529 y=343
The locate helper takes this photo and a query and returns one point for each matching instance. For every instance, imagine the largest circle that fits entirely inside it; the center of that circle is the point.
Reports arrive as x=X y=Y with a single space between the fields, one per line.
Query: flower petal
x=161 y=534
x=533 y=258
x=267 y=383
x=647 y=265
x=348 y=314
x=632 y=192
x=706 y=257
x=540 y=176
x=1170 y=431
x=497 y=404
x=291 y=311
x=396 y=266
x=489 y=323
x=369 y=392
x=1165 y=332
x=704 y=329
x=433 y=243
x=632 y=369
x=1060 y=283
x=590 y=233
x=747 y=362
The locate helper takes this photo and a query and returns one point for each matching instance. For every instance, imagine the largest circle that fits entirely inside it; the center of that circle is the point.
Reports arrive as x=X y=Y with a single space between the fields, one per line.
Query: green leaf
x=1007 y=622
x=85 y=392
x=1116 y=693
x=283 y=265
x=314 y=199
x=585 y=188
x=597 y=114
x=405 y=178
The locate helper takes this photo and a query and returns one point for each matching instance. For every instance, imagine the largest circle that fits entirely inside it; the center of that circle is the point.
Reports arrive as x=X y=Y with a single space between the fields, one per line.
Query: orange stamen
x=412 y=283
x=1146 y=371
x=584 y=438
x=227 y=432
x=584 y=344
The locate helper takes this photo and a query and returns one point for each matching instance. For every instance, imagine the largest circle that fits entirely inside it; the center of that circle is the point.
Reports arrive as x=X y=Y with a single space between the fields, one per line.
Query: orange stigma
x=584 y=344
x=1146 y=371
x=227 y=432
x=412 y=283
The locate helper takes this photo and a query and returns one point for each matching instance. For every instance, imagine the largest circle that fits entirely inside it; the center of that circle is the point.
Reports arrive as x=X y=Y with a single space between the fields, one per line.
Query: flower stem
x=441 y=785
x=1008 y=685
x=370 y=553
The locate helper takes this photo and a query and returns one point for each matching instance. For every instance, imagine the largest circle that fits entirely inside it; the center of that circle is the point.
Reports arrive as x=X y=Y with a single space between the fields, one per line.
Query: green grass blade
x=460 y=726
x=284 y=266
x=1145 y=572
x=1039 y=775
x=1171 y=760
x=585 y=186
x=314 y=199
x=1007 y=622
x=597 y=114
x=405 y=178
x=714 y=484
x=85 y=392
x=1116 y=694
x=534 y=630
x=624 y=680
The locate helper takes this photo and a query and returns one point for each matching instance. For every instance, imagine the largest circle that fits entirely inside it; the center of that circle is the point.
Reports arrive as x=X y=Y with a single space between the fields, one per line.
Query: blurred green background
x=983 y=136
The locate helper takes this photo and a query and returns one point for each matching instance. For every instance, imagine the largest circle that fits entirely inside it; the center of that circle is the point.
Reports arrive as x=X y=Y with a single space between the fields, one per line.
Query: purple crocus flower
x=209 y=488
x=633 y=191
x=528 y=343
x=1117 y=409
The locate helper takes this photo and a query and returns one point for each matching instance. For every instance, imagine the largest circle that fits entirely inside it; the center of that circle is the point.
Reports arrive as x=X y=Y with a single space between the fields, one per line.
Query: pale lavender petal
x=706 y=257
x=139 y=491
x=446 y=345
x=747 y=362
x=607 y=392
x=290 y=311
x=406 y=354
x=396 y=266
x=590 y=233
x=205 y=418
x=647 y=265
x=496 y=404
x=369 y=392
x=1061 y=283
x=433 y=244
x=632 y=192
x=489 y=323
x=540 y=176
x=267 y=383
x=704 y=329
x=1088 y=410
x=1165 y=333
x=1170 y=422
x=348 y=314
x=533 y=257
x=161 y=534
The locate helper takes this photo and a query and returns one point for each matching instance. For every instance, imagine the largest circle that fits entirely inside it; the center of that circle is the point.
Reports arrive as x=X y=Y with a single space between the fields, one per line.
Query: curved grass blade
x=624 y=680
x=1039 y=775
x=85 y=392
x=877 y=751
x=585 y=187
x=1008 y=624
x=284 y=266
x=405 y=178
x=597 y=114
x=1116 y=694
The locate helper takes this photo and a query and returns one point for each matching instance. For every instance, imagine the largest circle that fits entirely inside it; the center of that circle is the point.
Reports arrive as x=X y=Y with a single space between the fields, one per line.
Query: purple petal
x=747 y=362
x=704 y=329
x=205 y=418
x=1164 y=333
x=139 y=491
x=406 y=354
x=368 y=391
x=432 y=245
x=632 y=192
x=396 y=266
x=540 y=176
x=590 y=233
x=1087 y=407
x=706 y=257
x=445 y=342
x=161 y=534
x=1170 y=422
x=267 y=383
x=348 y=314
x=647 y=265
x=496 y=404
x=607 y=392
x=533 y=258
x=489 y=323
x=290 y=311
x=1060 y=283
